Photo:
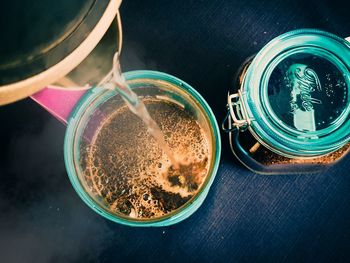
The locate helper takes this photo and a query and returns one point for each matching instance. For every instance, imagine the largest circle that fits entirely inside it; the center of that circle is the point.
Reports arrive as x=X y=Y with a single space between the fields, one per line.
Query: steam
x=42 y=219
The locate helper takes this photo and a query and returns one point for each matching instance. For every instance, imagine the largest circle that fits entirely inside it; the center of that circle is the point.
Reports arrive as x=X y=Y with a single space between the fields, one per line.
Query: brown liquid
x=137 y=106
x=128 y=172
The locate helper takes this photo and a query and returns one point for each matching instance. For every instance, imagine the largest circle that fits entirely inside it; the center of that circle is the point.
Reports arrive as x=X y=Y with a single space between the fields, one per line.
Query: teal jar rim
x=73 y=121
x=265 y=125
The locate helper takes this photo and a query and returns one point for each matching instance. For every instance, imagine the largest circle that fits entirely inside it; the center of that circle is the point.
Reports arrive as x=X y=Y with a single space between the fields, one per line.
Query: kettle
x=56 y=42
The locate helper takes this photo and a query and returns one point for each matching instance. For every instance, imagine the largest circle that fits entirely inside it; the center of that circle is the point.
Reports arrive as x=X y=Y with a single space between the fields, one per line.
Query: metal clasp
x=236 y=112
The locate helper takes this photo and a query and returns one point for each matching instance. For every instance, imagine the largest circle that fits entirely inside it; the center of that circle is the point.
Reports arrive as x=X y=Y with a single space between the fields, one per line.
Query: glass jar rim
x=73 y=123
x=265 y=125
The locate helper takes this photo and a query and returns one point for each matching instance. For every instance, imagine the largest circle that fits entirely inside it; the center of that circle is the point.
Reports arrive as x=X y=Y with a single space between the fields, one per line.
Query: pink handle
x=59 y=101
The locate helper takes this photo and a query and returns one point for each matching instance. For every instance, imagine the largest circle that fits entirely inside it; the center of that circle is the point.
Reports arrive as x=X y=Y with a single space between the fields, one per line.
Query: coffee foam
x=130 y=175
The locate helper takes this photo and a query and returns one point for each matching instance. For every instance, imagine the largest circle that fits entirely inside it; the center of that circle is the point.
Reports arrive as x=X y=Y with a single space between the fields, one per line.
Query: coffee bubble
x=128 y=173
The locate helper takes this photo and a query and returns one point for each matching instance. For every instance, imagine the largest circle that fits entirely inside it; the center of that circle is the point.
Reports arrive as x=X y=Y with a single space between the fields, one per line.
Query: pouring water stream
x=138 y=108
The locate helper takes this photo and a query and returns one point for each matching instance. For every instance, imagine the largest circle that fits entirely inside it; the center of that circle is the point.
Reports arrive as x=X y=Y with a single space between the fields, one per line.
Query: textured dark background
x=246 y=217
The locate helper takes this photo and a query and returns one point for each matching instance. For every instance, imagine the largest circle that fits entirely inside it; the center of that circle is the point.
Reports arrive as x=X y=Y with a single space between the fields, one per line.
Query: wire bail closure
x=236 y=113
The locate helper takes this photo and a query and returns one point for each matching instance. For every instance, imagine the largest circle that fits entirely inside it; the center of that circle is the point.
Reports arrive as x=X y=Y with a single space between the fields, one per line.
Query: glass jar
x=99 y=104
x=291 y=111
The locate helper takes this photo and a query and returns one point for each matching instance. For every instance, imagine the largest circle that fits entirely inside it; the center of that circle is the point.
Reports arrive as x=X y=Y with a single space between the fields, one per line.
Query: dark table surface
x=245 y=217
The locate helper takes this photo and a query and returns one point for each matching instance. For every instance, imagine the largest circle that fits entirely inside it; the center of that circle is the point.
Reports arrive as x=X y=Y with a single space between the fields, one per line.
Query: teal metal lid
x=295 y=94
